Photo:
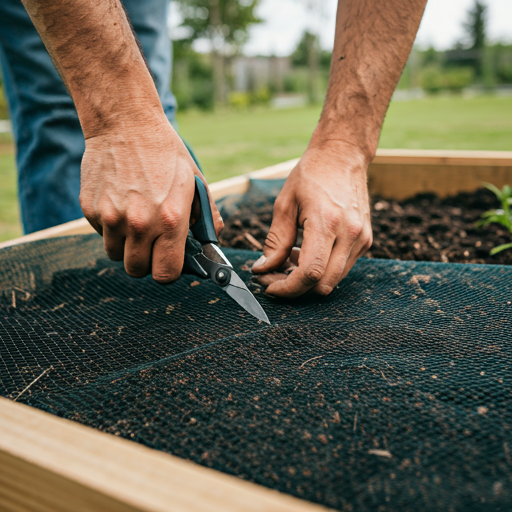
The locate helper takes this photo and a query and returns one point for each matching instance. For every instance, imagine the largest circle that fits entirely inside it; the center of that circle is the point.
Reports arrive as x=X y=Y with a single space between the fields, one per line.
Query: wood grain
x=393 y=174
x=48 y=464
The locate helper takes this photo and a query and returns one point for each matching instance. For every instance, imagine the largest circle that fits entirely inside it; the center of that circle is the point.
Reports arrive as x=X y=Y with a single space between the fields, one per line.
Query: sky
x=286 y=20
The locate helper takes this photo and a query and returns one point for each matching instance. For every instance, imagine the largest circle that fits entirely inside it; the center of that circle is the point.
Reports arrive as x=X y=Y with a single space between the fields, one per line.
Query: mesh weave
x=395 y=391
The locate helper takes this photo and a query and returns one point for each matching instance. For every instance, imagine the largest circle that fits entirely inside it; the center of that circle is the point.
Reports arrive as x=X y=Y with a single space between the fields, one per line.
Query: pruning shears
x=204 y=258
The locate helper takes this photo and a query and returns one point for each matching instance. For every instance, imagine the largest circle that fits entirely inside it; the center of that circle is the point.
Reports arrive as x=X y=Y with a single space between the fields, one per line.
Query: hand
x=137 y=191
x=327 y=195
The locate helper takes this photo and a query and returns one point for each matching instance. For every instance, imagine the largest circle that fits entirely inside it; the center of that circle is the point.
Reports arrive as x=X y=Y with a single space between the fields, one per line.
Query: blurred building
x=253 y=73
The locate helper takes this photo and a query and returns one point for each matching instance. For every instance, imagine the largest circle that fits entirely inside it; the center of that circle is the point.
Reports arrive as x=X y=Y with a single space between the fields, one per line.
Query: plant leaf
x=500 y=248
x=494 y=189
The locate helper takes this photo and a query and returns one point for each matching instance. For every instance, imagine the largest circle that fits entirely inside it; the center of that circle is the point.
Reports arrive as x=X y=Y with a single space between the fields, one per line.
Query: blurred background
x=250 y=77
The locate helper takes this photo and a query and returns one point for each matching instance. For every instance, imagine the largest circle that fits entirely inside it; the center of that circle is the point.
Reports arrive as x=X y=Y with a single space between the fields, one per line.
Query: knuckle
x=136 y=224
x=313 y=274
x=87 y=209
x=366 y=239
x=331 y=220
x=354 y=230
x=272 y=241
x=170 y=220
x=111 y=219
x=281 y=206
x=369 y=243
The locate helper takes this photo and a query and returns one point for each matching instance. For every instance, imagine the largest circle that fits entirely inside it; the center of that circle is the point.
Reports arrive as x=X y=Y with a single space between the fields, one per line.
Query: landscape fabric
x=393 y=392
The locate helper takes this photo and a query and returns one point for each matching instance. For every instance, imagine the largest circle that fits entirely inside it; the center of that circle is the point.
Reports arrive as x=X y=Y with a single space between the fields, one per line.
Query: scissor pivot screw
x=222 y=276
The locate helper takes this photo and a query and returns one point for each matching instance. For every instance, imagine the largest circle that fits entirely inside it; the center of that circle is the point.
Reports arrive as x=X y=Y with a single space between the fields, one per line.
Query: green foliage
x=504 y=74
x=4 y=108
x=475 y=28
x=238 y=100
x=260 y=96
x=475 y=25
x=457 y=79
x=300 y=56
x=296 y=80
x=503 y=62
x=434 y=79
x=192 y=81
x=241 y=100
x=501 y=215
x=430 y=56
x=228 y=20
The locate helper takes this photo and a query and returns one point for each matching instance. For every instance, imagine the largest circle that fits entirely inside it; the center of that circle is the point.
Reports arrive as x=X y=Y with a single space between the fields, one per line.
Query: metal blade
x=237 y=290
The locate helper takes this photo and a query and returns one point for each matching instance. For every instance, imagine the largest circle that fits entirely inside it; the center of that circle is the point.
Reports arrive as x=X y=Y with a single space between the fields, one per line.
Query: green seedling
x=501 y=215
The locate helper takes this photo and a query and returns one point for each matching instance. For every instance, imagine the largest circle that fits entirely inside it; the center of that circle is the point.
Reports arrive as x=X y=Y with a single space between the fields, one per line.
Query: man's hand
x=137 y=175
x=326 y=194
x=137 y=191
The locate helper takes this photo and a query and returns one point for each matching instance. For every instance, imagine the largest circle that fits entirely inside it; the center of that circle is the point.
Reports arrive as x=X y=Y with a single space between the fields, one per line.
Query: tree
x=476 y=24
x=311 y=43
x=225 y=24
x=309 y=54
x=475 y=28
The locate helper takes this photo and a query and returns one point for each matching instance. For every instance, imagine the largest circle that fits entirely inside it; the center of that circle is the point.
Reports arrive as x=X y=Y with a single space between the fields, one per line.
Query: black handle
x=203 y=228
x=190 y=265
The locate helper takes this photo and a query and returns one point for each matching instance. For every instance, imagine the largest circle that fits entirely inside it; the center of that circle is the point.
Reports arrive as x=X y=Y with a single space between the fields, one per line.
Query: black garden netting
x=395 y=392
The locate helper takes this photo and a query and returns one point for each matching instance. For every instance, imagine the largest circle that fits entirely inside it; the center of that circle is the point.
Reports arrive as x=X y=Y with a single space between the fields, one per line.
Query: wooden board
x=398 y=174
x=393 y=174
x=48 y=464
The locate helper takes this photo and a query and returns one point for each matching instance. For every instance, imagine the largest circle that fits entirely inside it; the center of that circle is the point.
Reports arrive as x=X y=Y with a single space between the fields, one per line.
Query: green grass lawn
x=228 y=143
x=9 y=214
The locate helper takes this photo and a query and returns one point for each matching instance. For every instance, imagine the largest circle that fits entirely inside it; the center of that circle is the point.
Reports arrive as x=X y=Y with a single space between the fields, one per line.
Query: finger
x=280 y=239
x=91 y=215
x=288 y=265
x=138 y=244
x=294 y=256
x=137 y=256
x=169 y=252
x=217 y=218
x=96 y=225
x=113 y=242
x=283 y=271
x=340 y=263
x=267 y=279
x=313 y=260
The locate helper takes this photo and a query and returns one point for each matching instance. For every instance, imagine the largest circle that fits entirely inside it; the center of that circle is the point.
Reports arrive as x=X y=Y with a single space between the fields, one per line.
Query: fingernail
x=260 y=262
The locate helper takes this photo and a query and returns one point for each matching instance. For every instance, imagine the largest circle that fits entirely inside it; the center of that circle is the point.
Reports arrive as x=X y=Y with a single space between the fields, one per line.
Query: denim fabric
x=49 y=140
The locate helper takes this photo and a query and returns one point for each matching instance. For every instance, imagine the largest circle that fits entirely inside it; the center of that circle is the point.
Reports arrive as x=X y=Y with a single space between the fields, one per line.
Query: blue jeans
x=49 y=140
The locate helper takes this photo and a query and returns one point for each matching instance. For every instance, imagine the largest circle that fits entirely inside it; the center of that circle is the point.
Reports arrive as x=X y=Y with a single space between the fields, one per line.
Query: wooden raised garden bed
x=51 y=464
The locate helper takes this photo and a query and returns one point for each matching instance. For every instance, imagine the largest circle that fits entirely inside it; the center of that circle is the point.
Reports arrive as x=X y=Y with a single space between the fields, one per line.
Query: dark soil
x=423 y=228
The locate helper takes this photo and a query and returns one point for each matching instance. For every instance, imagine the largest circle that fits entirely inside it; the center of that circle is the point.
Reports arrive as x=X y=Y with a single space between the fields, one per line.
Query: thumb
x=217 y=218
x=280 y=239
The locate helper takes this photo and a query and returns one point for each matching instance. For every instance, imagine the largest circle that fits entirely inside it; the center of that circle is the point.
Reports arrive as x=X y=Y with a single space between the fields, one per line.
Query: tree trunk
x=217 y=57
x=313 y=70
x=218 y=76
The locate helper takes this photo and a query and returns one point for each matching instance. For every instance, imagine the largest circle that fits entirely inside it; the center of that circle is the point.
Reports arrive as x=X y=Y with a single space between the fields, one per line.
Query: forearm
x=96 y=54
x=372 y=44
